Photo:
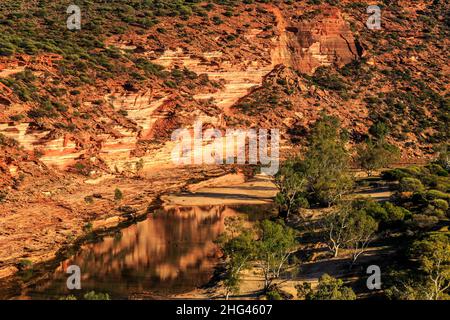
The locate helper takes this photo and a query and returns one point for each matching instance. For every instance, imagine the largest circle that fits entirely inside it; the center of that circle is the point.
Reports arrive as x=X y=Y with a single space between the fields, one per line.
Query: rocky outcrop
x=237 y=79
x=59 y=152
x=323 y=40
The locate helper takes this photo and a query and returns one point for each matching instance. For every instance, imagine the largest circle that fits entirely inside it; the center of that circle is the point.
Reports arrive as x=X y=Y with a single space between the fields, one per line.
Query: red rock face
x=324 y=40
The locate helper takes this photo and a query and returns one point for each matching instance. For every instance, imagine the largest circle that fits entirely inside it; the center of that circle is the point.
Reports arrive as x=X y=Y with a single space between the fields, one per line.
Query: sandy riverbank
x=227 y=190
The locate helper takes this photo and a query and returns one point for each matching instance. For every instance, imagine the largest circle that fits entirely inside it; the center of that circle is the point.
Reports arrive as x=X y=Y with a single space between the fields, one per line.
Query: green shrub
x=431 y=210
x=386 y=212
x=437 y=170
x=423 y=221
x=372 y=208
x=216 y=20
x=419 y=199
x=81 y=168
x=118 y=195
x=327 y=80
x=379 y=130
x=92 y=295
x=6 y=49
x=394 y=175
x=274 y=295
x=429 y=180
x=330 y=288
x=443 y=186
x=414 y=171
x=436 y=194
x=411 y=185
x=440 y=204
x=395 y=213
x=171 y=84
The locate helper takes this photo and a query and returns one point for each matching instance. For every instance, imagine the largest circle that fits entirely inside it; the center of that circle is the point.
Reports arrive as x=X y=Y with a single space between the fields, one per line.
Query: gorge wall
x=303 y=45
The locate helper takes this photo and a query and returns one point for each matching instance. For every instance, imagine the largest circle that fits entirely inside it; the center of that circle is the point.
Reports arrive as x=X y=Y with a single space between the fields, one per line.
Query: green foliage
x=372 y=208
x=291 y=185
x=436 y=194
x=276 y=243
x=149 y=68
x=326 y=79
x=405 y=285
x=432 y=210
x=421 y=222
x=40 y=28
x=433 y=255
x=273 y=295
x=441 y=204
x=329 y=288
x=323 y=176
x=269 y=247
x=118 y=195
x=327 y=162
x=361 y=229
x=81 y=168
x=372 y=156
x=411 y=185
x=92 y=295
x=436 y=169
x=238 y=247
x=427 y=183
x=379 y=130
x=394 y=213
x=348 y=227
x=427 y=277
x=394 y=175
x=424 y=192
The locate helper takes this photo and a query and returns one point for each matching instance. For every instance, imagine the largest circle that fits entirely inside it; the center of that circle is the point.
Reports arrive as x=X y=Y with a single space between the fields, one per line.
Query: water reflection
x=170 y=252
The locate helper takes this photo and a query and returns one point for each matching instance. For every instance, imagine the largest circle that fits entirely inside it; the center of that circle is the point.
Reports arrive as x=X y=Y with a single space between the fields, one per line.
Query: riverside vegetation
x=413 y=222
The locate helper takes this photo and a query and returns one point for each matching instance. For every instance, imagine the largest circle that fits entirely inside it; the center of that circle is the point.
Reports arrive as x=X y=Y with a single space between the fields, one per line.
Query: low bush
x=411 y=185
x=436 y=194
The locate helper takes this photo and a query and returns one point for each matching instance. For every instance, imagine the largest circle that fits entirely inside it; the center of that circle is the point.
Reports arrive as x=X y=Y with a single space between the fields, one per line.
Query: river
x=171 y=252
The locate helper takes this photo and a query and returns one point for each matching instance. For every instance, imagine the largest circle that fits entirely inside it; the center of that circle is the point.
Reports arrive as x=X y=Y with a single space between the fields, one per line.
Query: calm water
x=170 y=252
